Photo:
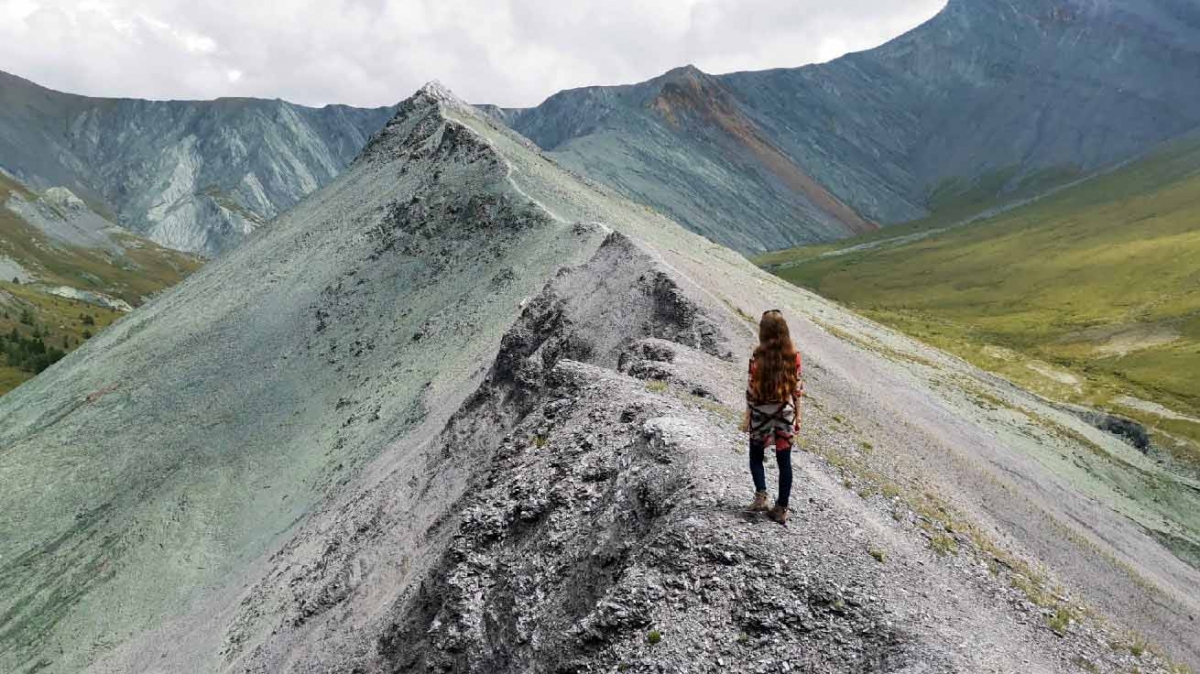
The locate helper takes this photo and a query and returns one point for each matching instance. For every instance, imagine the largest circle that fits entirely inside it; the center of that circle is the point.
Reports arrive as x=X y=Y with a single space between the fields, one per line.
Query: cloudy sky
x=375 y=52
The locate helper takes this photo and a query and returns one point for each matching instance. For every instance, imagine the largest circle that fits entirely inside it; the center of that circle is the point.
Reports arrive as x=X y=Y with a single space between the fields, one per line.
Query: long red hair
x=774 y=360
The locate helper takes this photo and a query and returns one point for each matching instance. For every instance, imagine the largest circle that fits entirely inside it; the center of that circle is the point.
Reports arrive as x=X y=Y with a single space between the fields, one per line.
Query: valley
x=196 y=176
x=67 y=274
x=1090 y=295
x=1087 y=295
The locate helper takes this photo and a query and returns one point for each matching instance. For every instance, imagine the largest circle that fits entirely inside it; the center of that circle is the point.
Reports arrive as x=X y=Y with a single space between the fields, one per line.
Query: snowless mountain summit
x=461 y=410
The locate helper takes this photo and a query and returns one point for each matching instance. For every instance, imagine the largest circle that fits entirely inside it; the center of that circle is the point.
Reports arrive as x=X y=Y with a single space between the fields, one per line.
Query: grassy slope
x=144 y=269
x=1109 y=265
x=952 y=204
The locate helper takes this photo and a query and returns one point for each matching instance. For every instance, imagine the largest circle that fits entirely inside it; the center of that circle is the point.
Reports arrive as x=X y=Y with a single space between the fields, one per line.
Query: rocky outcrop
x=1130 y=431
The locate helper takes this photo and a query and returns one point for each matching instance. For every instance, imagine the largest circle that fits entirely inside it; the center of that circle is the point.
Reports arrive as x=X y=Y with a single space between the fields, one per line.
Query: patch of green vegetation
x=1061 y=621
x=654 y=637
x=37 y=329
x=943 y=545
x=878 y=554
x=961 y=198
x=1033 y=587
x=951 y=204
x=46 y=324
x=656 y=386
x=143 y=269
x=1098 y=281
x=720 y=410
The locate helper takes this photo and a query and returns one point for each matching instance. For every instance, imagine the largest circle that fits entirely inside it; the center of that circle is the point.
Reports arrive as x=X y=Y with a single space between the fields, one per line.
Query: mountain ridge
x=192 y=175
x=957 y=101
x=765 y=160
x=388 y=460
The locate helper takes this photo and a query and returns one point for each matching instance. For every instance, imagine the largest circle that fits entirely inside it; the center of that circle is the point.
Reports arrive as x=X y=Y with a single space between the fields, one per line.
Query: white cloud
x=375 y=52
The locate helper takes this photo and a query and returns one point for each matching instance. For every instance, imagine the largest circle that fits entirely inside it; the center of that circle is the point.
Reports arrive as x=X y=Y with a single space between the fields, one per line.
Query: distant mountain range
x=191 y=175
x=990 y=96
x=986 y=92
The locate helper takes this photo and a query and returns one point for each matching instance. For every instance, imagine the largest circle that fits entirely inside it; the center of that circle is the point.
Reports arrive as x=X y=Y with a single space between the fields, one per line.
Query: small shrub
x=944 y=545
x=654 y=637
x=1061 y=621
x=878 y=554
x=1033 y=590
x=656 y=386
x=539 y=441
x=867 y=447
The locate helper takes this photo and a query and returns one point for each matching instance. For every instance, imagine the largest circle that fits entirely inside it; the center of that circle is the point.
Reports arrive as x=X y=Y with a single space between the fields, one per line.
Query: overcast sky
x=376 y=52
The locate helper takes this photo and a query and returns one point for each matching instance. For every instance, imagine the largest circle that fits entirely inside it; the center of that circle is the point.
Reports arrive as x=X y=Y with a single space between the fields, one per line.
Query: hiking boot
x=778 y=514
x=760 y=503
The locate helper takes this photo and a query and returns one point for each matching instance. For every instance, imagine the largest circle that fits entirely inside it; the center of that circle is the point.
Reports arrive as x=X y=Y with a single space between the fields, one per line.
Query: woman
x=773 y=410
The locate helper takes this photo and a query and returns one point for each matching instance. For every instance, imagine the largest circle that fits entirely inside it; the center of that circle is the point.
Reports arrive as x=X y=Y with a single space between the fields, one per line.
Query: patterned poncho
x=771 y=421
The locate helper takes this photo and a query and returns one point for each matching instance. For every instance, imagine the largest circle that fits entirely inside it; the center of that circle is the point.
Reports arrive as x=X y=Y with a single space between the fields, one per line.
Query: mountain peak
x=437 y=91
x=687 y=73
x=415 y=120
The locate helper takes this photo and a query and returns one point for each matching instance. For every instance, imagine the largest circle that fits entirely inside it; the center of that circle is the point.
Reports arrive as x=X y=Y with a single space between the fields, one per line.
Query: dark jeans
x=784 y=459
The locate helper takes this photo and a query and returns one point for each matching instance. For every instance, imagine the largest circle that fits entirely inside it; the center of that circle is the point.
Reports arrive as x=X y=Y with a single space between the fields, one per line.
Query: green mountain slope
x=1091 y=294
x=66 y=273
x=982 y=100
